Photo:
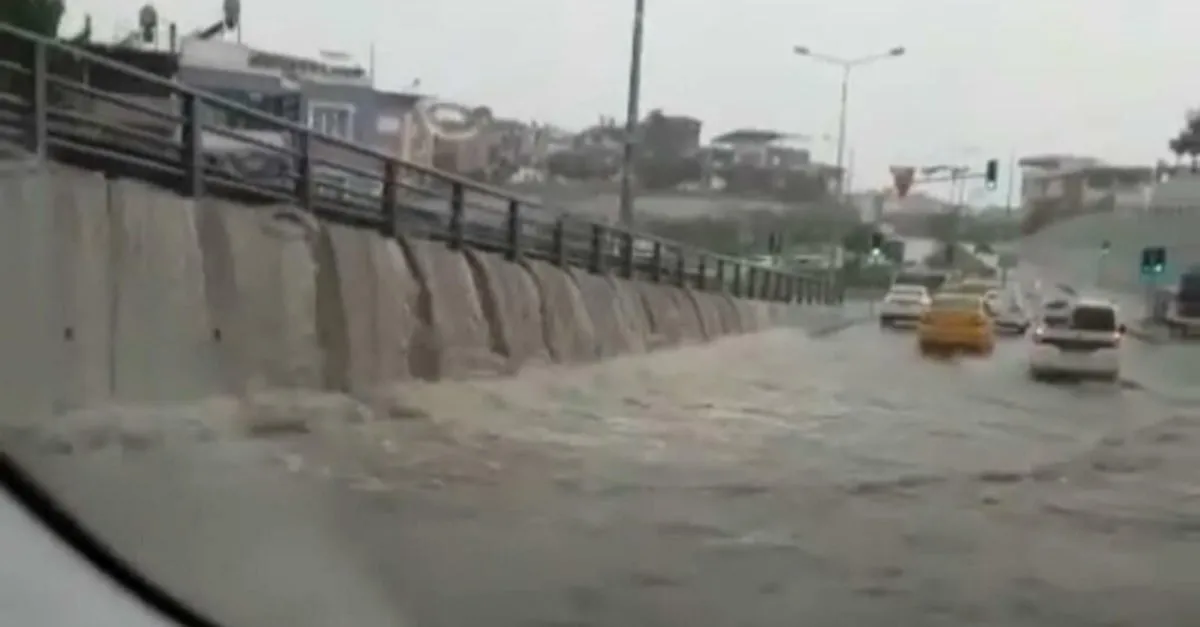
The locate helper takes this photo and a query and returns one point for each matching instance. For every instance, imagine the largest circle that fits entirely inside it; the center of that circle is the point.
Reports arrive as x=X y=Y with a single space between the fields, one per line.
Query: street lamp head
x=802 y=50
x=898 y=51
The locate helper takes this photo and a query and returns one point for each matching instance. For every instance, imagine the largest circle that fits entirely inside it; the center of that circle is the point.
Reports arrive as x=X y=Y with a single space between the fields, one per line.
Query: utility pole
x=632 y=116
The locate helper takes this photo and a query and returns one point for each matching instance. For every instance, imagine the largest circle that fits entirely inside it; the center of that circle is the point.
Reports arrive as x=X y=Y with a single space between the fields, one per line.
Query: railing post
x=193 y=148
x=304 y=172
x=680 y=267
x=737 y=279
x=39 y=102
x=752 y=282
x=513 y=250
x=388 y=227
x=721 y=275
x=627 y=254
x=657 y=259
x=560 y=242
x=597 y=252
x=457 y=208
x=702 y=273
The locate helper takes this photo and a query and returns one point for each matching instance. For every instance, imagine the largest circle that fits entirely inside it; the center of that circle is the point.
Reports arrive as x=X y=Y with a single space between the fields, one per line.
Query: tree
x=39 y=16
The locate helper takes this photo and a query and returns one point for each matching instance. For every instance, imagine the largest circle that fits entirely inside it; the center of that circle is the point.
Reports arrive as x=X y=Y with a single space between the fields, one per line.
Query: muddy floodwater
x=772 y=480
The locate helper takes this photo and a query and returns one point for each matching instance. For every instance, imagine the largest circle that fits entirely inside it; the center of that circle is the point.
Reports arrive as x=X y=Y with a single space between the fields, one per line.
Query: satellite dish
x=452 y=121
x=231 y=10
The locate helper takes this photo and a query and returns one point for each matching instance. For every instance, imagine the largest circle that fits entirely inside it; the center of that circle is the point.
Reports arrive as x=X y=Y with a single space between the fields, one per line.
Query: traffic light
x=1154 y=260
x=876 y=244
x=991 y=173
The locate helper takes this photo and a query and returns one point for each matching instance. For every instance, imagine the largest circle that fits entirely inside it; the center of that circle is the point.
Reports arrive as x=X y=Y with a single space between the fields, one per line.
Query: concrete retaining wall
x=118 y=291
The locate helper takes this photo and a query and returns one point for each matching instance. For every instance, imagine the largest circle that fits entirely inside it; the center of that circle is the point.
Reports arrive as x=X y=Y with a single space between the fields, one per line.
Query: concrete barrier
x=83 y=279
x=512 y=305
x=731 y=320
x=367 y=301
x=633 y=308
x=570 y=335
x=453 y=339
x=617 y=331
x=30 y=328
x=691 y=325
x=663 y=313
x=153 y=297
x=163 y=345
x=260 y=282
x=709 y=313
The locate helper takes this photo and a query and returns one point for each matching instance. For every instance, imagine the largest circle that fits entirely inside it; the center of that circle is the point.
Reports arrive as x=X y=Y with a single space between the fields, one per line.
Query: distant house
x=766 y=163
x=1054 y=187
x=759 y=149
x=330 y=94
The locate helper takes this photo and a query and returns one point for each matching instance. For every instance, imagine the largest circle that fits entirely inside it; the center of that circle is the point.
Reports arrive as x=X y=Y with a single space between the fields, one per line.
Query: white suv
x=903 y=305
x=1084 y=341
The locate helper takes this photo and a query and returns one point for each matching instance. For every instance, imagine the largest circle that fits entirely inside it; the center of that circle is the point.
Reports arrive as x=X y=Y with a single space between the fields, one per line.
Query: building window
x=388 y=124
x=336 y=119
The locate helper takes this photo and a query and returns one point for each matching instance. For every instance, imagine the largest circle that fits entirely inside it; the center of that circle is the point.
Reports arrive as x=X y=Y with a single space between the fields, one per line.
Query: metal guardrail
x=82 y=109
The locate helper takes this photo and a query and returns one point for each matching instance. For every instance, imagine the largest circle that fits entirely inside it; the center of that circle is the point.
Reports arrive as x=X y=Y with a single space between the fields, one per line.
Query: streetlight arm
x=895 y=52
x=847 y=63
x=823 y=58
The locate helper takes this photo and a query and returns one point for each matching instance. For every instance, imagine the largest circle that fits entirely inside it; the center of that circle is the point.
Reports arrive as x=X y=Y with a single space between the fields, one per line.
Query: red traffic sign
x=902 y=179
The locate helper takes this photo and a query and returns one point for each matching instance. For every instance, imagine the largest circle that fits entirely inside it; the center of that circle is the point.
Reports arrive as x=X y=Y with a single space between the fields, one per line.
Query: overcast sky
x=983 y=78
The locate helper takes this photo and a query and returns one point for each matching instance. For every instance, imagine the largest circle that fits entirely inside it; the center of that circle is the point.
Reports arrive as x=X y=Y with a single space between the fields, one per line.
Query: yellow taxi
x=956 y=321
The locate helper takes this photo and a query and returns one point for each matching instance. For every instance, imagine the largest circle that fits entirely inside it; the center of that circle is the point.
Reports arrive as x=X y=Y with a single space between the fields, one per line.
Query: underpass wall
x=123 y=292
x=1071 y=250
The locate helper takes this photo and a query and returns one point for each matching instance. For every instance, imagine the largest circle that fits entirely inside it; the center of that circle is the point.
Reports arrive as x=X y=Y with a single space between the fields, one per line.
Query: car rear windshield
x=930 y=281
x=956 y=303
x=1094 y=319
x=908 y=291
x=1189 y=287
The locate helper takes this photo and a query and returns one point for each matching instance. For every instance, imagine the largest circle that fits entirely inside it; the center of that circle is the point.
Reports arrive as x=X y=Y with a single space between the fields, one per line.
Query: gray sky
x=983 y=78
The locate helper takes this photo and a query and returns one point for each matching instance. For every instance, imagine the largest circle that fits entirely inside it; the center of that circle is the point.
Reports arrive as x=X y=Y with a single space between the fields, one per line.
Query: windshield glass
x=1189 y=286
x=974 y=288
x=908 y=291
x=1094 y=319
x=956 y=303
x=469 y=314
x=930 y=281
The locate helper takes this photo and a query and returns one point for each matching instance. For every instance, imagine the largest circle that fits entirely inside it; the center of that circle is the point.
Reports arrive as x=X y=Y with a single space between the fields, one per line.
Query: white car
x=1009 y=313
x=1083 y=343
x=903 y=305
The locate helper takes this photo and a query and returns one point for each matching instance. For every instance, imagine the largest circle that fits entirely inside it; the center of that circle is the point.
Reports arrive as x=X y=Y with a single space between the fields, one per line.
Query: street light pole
x=846 y=65
x=631 y=116
x=841 y=139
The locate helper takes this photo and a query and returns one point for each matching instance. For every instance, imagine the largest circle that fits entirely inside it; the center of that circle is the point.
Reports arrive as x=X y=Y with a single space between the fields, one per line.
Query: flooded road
x=778 y=479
